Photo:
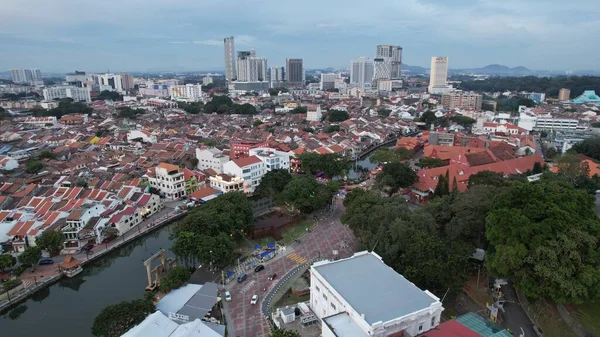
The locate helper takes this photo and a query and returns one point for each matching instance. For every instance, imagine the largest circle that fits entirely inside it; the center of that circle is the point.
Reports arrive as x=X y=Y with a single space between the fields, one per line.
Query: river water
x=68 y=307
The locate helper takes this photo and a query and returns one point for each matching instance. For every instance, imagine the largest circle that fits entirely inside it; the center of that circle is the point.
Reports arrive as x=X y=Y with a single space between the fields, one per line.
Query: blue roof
x=266 y=253
x=588 y=96
x=5 y=149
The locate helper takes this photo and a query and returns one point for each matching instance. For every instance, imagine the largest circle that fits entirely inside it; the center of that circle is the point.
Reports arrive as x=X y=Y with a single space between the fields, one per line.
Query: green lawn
x=290 y=234
x=547 y=316
x=589 y=316
x=290 y=299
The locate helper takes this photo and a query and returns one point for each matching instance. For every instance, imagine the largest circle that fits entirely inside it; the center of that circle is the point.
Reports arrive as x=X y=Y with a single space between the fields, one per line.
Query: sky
x=187 y=35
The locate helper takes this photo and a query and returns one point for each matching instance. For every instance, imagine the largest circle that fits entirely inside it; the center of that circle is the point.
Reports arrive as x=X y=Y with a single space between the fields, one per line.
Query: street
x=246 y=320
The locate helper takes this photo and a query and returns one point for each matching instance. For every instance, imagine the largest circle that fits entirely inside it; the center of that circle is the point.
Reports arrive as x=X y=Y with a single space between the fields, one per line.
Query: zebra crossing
x=297 y=258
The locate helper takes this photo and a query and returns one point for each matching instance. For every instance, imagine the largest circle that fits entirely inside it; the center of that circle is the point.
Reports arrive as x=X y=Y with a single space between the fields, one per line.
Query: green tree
x=33 y=166
x=127 y=112
x=111 y=95
x=47 y=155
x=545 y=236
x=387 y=155
x=337 y=116
x=333 y=128
x=463 y=120
x=176 y=277
x=257 y=123
x=217 y=250
x=273 y=183
x=443 y=186
x=31 y=255
x=116 y=320
x=550 y=153
x=384 y=113
x=428 y=117
x=284 y=333
x=331 y=165
x=487 y=178
x=427 y=162
x=223 y=108
x=570 y=167
x=191 y=108
x=395 y=176
x=589 y=147
x=304 y=194
x=299 y=110
x=6 y=261
x=50 y=241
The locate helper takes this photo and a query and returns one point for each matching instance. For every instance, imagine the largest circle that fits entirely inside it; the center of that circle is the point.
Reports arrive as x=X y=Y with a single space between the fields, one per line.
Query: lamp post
x=211 y=260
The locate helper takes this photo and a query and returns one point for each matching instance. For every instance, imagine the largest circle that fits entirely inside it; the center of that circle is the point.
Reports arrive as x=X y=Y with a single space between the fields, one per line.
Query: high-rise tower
x=229 y=53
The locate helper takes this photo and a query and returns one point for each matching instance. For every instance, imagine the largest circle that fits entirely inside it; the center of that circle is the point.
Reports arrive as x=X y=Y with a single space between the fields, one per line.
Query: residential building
x=106 y=81
x=241 y=148
x=361 y=72
x=251 y=68
x=273 y=159
x=156 y=90
x=276 y=76
x=550 y=122
x=388 y=62
x=8 y=163
x=77 y=76
x=564 y=94
x=462 y=100
x=441 y=138
x=438 y=75
x=79 y=228
x=169 y=180
x=242 y=87
x=504 y=129
x=328 y=81
x=189 y=90
x=392 y=306
x=26 y=76
x=60 y=92
x=142 y=135
x=211 y=158
x=227 y=183
x=193 y=181
x=313 y=113
x=294 y=71
x=206 y=80
x=126 y=81
x=229 y=53
x=251 y=169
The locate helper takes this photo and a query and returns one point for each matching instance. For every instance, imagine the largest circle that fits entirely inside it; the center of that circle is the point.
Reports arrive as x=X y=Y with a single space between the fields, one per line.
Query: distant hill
x=496 y=69
x=413 y=70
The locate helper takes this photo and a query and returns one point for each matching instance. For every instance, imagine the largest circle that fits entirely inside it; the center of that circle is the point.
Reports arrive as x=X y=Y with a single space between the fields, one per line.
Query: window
x=333 y=306
x=432 y=321
x=325 y=297
x=420 y=326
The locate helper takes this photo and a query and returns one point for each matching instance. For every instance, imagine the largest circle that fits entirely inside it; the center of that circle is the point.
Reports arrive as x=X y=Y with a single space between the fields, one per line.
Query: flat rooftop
x=343 y=326
x=374 y=289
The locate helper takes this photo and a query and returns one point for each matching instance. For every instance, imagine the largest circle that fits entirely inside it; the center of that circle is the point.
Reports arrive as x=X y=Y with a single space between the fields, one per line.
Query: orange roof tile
x=242 y=162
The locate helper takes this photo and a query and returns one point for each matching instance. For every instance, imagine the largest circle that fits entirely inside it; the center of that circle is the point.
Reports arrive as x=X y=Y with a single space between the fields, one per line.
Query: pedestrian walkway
x=297 y=258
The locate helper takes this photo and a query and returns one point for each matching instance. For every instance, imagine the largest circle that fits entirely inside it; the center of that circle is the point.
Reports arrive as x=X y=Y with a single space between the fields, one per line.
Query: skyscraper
x=250 y=67
x=564 y=94
x=361 y=72
x=229 y=52
x=388 y=62
x=294 y=71
x=126 y=81
x=28 y=76
x=276 y=76
x=438 y=75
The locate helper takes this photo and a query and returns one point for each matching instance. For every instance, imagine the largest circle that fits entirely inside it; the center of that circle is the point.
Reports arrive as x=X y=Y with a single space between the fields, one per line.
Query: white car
x=254 y=299
x=227 y=296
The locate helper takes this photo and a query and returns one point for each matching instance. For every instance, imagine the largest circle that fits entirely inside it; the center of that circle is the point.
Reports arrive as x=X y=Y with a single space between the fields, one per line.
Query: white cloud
x=210 y=42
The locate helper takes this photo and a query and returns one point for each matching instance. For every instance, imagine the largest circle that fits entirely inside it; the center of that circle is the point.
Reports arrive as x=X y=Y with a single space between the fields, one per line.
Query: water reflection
x=41 y=294
x=17 y=312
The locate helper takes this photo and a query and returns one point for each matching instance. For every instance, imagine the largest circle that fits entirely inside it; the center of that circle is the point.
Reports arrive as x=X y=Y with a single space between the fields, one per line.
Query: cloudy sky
x=141 y=35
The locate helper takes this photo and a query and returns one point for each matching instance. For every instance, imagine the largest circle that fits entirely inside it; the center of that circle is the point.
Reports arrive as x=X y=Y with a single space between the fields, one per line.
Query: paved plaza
x=328 y=237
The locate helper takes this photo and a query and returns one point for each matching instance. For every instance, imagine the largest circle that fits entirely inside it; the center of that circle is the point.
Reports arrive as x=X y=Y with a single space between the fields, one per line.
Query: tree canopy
x=111 y=95
x=463 y=120
x=174 y=279
x=6 y=261
x=426 y=162
x=31 y=255
x=33 y=166
x=50 y=241
x=545 y=236
x=127 y=112
x=337 y=116
x=65 y=106
x=387 y=155
x=330 y=165
x=395 y=176
x=284 y=333
x=116 y=320
x=548 y=85
x=589 y=147
x=304 y=194
x=273 y=183
x=192 y=107
x=223 y=104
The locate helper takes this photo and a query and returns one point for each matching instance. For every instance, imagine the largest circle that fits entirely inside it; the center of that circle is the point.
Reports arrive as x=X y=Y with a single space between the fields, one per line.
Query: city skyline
x=60 y=37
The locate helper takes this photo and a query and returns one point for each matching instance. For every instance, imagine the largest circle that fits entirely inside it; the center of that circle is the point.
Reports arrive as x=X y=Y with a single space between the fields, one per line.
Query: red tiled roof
x=21 y=228
x=143 y=200
x=203 y=193
x=450 y=329
x=168 y=167
x=242 y=162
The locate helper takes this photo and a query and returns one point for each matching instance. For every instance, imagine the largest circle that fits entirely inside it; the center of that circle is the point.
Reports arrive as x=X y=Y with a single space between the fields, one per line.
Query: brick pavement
x=329 y=236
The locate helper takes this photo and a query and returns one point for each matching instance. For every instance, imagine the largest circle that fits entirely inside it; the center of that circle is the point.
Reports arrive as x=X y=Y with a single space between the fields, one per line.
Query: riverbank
x=42 y=282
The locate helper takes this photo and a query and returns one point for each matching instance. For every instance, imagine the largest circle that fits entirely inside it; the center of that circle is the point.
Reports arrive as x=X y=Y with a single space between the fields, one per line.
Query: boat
x=70 y=266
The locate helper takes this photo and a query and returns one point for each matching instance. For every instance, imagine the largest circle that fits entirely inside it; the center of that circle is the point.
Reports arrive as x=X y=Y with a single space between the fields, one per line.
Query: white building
x=227 y=183
x=276 y=76
x=438 y=75
x=251 y=68
x=549 y=122
x=314 y=113
x=60 y=92
x=251 y=169
x=211 y=158
x=29 y=76
x=186 y=91
x=229 y=55
x=361 y=297
x=143 y=135
x=328 y=81
x=169 y=180
x=273 y=159
x=388 y=62
x=8 y=163
x=110 y=82
x=361 y=72
x=206 y=80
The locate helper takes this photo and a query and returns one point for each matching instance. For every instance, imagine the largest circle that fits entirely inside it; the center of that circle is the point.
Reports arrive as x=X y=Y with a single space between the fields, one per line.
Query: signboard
x=179 y=317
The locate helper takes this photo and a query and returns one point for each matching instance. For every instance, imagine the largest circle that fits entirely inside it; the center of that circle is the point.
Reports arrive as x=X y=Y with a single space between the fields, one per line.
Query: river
x=68 y=307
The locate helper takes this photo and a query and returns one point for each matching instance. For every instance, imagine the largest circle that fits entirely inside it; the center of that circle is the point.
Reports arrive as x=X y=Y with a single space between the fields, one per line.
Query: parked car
x=88 y=247
x=259 y=268
x=272 y=277
x=44 y=262
x=227 y=296
x=254 y=299
x=242 y=278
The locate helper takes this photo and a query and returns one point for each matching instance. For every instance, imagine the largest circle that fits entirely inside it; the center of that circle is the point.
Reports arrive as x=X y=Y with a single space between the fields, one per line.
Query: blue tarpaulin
x=229 y=273
x=271 y=245
x=264 y=254
x=258 y=247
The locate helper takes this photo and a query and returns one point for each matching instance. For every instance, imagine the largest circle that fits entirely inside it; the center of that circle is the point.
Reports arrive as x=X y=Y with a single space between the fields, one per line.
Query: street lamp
x=211 y=260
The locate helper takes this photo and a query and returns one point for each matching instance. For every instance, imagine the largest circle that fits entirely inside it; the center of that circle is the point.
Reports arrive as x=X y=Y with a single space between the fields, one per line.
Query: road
x=515 y=317
x=246 y=320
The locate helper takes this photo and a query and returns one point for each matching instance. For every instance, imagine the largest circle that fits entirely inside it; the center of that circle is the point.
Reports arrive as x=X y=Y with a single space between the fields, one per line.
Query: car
x=242 y=278
x=88 y=247
x=254 y=299
x=259 y=268
x=227 y=296
x=272 y=277
x=44 y=262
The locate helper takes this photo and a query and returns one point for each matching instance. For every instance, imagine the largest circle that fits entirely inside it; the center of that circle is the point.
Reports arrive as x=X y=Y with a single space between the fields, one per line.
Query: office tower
x=276 y=75
x=18 y=75
x=106 y=81
x=251 y=68
x=28 y=76
x=328 y=81
x=564 y=94
x=388 y=62
x=294 y=71
x=126 y=81
x=438 y=75
x=229 y=52
x=361 y=72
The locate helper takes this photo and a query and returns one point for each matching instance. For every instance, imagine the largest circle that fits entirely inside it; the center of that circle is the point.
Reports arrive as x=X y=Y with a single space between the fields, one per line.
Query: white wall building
x=229 y=55
x=8 y=163
x=227 y=183
x=186 y=91
x=169 y=180
x=60 y=92
x=328 y=81
x=314 y=113
x=251 y=169
x=550 y=122
x=438 y=75
x=111 y=82
x=273 y=159
x=211 y=158
x=361 y=72
x=145 y=136
x=362 y=296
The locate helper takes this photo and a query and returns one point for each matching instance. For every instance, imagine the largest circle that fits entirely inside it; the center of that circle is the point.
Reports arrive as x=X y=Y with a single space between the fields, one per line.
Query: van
x=242 y=278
